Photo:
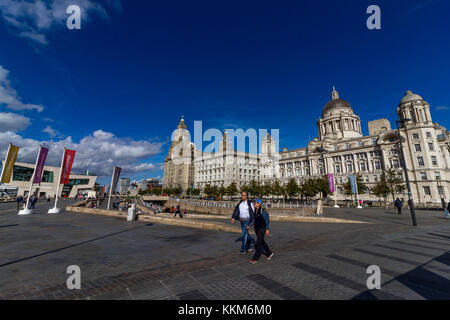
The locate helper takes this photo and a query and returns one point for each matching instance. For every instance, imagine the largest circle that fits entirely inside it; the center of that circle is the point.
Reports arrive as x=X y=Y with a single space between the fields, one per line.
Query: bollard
x=131 y=213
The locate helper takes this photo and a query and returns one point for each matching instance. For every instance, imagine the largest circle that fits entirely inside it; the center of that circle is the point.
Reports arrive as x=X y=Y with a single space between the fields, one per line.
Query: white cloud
x=439 y=108
x=13 y=122
x=9 y=97
x=97 y=152
x=33 y=19
x=51 y=132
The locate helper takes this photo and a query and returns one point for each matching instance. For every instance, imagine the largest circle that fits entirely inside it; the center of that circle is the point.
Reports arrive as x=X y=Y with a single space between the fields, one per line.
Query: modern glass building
x=78 y=184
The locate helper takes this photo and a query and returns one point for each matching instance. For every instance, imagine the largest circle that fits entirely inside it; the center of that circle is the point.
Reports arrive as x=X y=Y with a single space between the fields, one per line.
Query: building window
x=420 y=161
x=441 y=190
x=428 y=134
x=377 y=165
x=418 y=148
x=434 y=160
x=423 y=176
x=374 y=142
x=375 y=178
x=348 y=146
x=349 y=167
x=427 y=191
x=395 y=164
x=431 y=146
x=415 y=136
x=362 y=166
x=437 y=174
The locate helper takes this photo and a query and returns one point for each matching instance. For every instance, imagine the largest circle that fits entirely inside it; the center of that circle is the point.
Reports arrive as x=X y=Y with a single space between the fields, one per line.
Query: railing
x=229 y=204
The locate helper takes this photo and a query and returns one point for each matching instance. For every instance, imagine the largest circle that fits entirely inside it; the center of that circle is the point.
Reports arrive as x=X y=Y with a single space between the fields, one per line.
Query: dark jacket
x=261 y=219
x=398 y=203
x=235 y=215
x=448 y=207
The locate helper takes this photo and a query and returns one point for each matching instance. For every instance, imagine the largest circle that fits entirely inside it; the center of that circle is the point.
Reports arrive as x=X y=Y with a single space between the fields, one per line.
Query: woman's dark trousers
x=260 y=244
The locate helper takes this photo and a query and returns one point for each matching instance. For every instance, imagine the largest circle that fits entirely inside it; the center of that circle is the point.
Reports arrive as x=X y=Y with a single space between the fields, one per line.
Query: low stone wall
x=188 y=216
x=101 y=212
x=303 y=211
x=273 y=218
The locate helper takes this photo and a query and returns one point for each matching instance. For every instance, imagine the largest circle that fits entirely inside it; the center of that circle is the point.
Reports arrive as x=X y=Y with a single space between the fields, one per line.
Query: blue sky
x=116 y=89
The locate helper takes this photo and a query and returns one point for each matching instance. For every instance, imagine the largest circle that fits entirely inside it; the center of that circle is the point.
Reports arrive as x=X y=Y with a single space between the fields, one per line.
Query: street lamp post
x=403 y=163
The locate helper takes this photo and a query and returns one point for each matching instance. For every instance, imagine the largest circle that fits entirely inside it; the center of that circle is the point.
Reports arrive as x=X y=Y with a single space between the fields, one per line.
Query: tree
x=308 y=188
x=222 y=191
x=381 y=189
x=277 y=189
x=362 y=187
x=394 y=181
x=211 y=191
x=266 y=190
x=232 y=189
x=254 y=188
x=292 y=189
x=322 y=186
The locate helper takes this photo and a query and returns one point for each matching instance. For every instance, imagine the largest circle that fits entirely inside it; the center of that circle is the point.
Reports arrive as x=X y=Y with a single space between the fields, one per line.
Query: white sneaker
x=270 y=257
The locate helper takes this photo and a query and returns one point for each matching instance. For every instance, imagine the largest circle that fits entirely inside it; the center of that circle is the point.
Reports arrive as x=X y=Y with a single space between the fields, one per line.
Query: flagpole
x=110 y=188
x=335 y=192
x=6 y=159
x=55 y=209
x=26 y=210
x=357 y=195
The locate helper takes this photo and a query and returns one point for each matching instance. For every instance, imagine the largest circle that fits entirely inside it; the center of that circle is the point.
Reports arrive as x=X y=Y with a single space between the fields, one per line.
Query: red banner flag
x=69 y=156
x=40 y=165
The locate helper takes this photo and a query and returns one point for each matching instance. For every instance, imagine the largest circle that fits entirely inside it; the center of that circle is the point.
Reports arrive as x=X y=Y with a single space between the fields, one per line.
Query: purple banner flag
x=40 y=165
x=331 y=182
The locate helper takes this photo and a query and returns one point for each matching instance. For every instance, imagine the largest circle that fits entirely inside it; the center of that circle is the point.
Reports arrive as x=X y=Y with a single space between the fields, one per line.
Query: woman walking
x=261 y=224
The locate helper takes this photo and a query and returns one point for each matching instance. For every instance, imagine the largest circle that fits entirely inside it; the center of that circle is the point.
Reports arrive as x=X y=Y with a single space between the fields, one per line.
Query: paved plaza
x=136 y=260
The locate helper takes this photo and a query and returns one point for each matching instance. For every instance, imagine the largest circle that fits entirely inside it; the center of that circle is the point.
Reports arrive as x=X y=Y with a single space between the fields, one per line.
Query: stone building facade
x=340 y=149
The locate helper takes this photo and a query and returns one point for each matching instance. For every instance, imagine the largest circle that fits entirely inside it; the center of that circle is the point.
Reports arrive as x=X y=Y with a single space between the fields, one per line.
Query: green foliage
x=394 y=182
x=362 y=187
x=277 y=189
x=309 y=188
x=211 y=191
x=322 y=186
x=232 y=190
x=292 y=189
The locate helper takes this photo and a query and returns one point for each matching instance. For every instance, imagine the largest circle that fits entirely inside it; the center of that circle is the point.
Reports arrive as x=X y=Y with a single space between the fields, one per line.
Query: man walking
x=244 y=212
x=178 y=211
x=398 y=203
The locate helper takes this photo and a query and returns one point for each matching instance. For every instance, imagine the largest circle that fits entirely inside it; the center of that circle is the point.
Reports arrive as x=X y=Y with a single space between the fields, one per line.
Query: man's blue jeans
x=246 y=238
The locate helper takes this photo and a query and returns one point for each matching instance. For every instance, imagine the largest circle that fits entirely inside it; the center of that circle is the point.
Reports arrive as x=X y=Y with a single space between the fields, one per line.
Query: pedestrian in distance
x=33 y=201
x=447 y=212
x=19 y=201
x=244 y=212
x=178 y=211
x=399 y=204
x=261 y=225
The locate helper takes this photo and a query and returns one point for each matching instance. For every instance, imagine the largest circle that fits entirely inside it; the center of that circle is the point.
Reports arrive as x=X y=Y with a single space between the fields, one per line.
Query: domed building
x=338 y=120
x=340 y=149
